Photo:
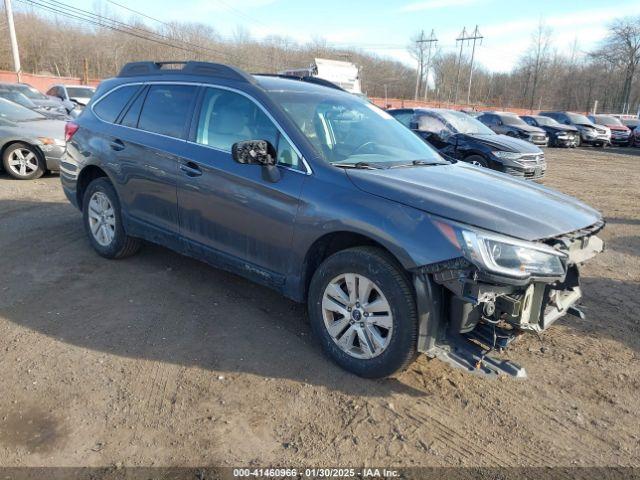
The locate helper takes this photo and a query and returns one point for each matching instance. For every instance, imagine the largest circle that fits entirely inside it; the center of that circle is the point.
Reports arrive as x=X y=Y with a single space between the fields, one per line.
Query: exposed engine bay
x=478 y=312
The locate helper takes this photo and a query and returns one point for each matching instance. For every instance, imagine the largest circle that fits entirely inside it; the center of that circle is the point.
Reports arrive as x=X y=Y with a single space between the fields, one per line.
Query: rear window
x=166 y=108
x=110 y=106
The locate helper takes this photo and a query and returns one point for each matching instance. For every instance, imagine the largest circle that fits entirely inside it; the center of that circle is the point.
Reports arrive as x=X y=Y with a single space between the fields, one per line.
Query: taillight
x=70 y=129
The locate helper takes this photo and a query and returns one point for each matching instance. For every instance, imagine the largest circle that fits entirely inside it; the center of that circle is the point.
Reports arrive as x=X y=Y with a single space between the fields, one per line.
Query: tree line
x=543 y=78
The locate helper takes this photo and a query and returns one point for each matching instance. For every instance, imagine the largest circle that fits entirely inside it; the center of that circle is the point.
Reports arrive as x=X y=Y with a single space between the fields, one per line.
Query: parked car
x=471 y=113
x=327 y=199
x=510 y=124
x=459 y=136
x=620 y=134
x=631 y=123
x=38 y=98
x=590 y=133
x=21 y=99
x=30 y=142
x=73 y=97
x=559 y=135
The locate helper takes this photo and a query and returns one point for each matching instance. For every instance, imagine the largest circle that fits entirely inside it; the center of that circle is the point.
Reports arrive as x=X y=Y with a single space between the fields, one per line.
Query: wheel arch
x=85 y=177
x=334 y=242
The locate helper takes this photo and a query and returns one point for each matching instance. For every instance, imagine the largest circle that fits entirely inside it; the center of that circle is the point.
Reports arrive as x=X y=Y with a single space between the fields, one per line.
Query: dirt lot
x=161 y=360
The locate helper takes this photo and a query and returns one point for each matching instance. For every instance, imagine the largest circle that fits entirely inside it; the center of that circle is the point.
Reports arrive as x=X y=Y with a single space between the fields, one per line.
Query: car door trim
x=307 y=168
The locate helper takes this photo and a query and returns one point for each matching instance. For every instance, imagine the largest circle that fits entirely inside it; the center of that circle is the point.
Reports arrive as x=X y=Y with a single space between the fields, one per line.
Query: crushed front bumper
x=470 y=303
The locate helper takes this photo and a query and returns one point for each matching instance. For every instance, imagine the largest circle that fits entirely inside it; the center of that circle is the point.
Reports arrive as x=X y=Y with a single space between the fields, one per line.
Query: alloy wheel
x=23 y=162
x=357 y=315
x=102 y=219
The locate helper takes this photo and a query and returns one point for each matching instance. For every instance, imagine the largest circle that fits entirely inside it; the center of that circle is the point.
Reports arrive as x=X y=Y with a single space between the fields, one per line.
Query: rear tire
x=362 y=310
x=23 y=162
x=103 y=221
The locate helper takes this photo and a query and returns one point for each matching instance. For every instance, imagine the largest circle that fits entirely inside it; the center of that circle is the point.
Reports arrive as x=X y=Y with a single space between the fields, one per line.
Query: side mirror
x=257 y=152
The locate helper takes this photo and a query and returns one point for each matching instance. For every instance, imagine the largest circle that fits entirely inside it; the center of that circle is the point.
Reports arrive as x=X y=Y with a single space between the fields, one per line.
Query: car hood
x=561 y=128
x=42 y=128
x=504 y=143
x=480 y=197
x=528 y=128
x=618 y=128
x=48 y=103
x=81 y=100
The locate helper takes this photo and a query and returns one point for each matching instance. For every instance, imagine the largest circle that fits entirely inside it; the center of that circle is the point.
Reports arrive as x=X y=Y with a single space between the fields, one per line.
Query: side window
x=427 y=123
x=228 y=117
x=52 y=92
x=166 y=108
x=486 y=119
x=110 y=106
x=529 y=121
x=404 y=118
x=287 y=155
x=130 y=118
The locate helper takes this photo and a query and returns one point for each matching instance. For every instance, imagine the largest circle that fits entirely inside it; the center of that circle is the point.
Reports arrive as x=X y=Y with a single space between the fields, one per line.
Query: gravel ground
x=161 y=360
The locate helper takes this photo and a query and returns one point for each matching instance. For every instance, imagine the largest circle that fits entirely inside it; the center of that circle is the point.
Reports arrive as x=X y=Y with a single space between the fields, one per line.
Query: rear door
x=229 y=213
x=148 y=145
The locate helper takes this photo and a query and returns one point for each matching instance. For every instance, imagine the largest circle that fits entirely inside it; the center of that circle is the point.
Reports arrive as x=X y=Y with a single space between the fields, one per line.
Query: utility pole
x=461 y=39
x=474 y=36
x=85 y=71
x=14 y=41
x=431 y=41
x=419 y=43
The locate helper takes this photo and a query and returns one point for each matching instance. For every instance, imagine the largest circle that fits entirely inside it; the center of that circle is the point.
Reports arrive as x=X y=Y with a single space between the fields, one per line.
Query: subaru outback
x=307 y=189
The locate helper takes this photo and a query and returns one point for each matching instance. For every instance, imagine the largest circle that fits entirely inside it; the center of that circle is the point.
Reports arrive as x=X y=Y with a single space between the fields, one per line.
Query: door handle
x=191 y=169
x=116 y=144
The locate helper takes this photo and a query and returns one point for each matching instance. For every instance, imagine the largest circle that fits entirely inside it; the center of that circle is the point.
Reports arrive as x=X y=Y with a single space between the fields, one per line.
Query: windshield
x=79 y=92
x=513 y=120
x=30 y=92
x=17 y=97
x=17 y=113
x=463 y=123
x=577 y=118
x=606 y=120
x=546 y=121
x=348 y=131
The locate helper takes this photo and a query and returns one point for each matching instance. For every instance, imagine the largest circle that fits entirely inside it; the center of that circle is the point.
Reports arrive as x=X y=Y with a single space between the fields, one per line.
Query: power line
x=121 y=27
x=138 y=13
x=93 y=17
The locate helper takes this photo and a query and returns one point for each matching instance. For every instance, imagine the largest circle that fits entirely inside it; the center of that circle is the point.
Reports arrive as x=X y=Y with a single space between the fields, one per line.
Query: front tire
x=23 y=162
x=103 y=221
x=362 y=310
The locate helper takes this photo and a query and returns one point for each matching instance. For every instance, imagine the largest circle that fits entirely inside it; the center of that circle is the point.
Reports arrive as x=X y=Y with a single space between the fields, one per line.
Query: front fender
x=328 y=207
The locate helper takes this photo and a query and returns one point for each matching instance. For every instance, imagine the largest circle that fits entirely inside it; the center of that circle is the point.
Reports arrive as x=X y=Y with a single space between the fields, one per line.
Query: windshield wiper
x=362 y=165
x=419 y=163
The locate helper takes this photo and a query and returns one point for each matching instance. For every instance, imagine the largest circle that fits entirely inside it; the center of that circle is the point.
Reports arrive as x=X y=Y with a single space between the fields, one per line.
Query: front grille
x=529 y=173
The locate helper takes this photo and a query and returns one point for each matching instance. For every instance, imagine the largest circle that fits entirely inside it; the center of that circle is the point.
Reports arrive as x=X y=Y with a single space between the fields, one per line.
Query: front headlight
x=507 y=155
x=504 y=255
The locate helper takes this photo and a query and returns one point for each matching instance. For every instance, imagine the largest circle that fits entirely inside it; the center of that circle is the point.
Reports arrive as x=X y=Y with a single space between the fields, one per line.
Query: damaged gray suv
x=300 y=186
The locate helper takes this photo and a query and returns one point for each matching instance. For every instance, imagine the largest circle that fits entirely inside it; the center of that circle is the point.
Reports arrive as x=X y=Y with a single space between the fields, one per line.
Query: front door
x=229 y=212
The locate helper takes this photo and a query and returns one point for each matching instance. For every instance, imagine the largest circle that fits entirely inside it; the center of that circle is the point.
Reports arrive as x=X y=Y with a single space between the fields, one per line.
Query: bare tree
x=621 y=48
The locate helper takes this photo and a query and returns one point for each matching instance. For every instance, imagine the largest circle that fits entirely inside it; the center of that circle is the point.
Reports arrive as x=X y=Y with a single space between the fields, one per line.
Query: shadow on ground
x=157 y=305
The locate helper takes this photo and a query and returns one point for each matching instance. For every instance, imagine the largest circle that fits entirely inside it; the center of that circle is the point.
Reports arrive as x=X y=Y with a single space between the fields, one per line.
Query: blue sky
x=384 y=27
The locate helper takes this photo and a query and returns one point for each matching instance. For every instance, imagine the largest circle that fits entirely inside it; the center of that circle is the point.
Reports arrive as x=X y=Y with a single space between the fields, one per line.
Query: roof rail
x=206 y=69
x=304 y=78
